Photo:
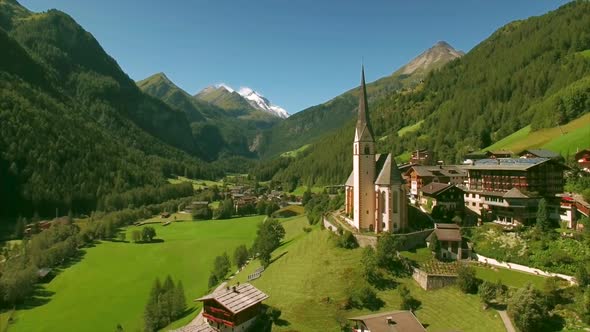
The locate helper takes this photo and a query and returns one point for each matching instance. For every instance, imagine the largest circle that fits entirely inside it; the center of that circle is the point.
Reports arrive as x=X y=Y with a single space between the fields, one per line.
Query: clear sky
x=297 y=53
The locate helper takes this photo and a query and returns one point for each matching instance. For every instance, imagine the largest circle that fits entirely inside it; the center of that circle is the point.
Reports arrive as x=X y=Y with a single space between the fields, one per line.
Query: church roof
x=350 y=181
x=363 y=125
x=387 y=171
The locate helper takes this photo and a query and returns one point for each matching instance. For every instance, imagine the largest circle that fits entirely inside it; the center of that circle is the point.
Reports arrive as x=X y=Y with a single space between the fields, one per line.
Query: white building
x=375 y=191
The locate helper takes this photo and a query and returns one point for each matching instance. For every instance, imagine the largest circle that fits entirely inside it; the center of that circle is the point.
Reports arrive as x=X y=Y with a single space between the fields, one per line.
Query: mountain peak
x=258 y=101
x=436 y=56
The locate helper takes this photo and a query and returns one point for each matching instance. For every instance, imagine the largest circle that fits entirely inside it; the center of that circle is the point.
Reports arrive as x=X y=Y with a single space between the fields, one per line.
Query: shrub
x=466 y=280
x=347 y=241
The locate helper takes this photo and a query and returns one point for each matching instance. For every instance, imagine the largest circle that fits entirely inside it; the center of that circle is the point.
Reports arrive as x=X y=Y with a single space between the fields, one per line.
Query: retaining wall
x=432 y=281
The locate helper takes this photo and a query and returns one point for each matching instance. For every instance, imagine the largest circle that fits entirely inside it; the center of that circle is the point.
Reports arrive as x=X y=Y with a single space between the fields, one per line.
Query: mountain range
x=75 y=129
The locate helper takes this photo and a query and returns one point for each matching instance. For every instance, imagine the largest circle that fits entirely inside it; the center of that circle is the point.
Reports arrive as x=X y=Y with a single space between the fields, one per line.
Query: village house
x=418 y=176
x=540 y=153
x=375 y=194
x=421 y=157
x=583 y=159
x=508 y=190
x=445 y=195
x=450 y=242
x=234 y=309
x=393 y=321
x=245 y=200
x=196 y=205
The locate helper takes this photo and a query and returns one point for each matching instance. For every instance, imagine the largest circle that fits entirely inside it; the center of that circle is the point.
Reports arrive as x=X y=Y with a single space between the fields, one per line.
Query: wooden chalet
x=393 y=321
x=540 y=153
x=445 y=195
x=233 y=309
x=421 y=157
x=418 y=176
x=450 y=240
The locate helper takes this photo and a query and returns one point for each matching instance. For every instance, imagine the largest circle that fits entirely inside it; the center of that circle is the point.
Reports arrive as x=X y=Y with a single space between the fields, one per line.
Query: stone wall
x=416 y=239
x=432 y=281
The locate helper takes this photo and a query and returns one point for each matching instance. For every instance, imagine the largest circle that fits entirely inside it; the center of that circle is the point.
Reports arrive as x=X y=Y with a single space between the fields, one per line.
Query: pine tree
x=543 y=221
x=179 y=300
x=151 y=315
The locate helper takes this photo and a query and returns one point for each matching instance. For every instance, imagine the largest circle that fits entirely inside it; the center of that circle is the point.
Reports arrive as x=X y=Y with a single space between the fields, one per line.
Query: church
x=375 y=191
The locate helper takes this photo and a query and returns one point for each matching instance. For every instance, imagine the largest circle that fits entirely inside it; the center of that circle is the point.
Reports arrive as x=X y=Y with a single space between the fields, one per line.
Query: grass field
x=410 y=128
x=573 y=135
x=309 y=268
x=111 y=283
x=301 y=189
x=197 y=184
x=295 y=153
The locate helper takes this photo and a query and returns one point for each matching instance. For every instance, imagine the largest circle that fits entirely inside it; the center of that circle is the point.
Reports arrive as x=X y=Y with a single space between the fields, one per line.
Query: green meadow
x=310 y=277
x=111 y=283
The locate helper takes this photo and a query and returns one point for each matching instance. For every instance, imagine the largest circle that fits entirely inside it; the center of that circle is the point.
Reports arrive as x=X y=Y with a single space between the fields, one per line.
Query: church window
x=394 y=199
x=367 y=211
x=371 y=228
x=382 y=225
x=382 y=201
x=367 y=150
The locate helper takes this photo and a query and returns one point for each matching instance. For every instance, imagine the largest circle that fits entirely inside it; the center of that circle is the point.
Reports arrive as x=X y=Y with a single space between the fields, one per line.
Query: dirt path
x=507 y=321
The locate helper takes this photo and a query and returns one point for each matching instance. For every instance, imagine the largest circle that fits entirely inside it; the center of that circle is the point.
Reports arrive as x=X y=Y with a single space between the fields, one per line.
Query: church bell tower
x=364 y=164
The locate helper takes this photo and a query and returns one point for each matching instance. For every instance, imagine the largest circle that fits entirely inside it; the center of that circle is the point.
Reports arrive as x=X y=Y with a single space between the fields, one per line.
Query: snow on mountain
x=225 y=86
x=259 y=102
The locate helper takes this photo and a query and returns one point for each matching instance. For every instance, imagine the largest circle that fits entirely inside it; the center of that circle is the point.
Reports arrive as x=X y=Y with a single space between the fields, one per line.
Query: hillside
x=312 y=123
x=73 y=126
x=520 y=76
x=223 y=122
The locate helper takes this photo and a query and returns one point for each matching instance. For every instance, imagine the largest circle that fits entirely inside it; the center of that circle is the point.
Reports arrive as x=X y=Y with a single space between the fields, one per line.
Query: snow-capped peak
x=258 y=101
x=225 y=86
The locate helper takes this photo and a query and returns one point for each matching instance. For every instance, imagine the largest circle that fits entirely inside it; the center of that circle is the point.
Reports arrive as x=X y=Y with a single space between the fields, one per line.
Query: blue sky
x=298 y=53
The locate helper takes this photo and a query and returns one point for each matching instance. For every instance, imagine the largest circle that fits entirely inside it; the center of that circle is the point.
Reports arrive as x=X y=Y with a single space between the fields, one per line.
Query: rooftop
x=393 y=321
x=519 y=164
x=237 y=298
x=541 y=153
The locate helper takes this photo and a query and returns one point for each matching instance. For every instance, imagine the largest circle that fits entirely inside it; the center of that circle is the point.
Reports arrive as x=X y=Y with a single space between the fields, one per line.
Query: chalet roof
x=401 y=321
x=514 y=193
x=387 y=171
x=435 y=188
x=518 y=164
x=440 y=170
x=497 y=152
x=237 y=298
x=447 y=232
x=541 y=153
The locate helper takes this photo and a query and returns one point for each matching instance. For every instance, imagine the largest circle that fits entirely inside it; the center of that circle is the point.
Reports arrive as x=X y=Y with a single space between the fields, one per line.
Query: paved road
x=507 y=321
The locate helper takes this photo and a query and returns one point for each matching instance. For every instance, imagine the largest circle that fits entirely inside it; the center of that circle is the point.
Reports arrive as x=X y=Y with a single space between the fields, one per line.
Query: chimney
x=390 y=320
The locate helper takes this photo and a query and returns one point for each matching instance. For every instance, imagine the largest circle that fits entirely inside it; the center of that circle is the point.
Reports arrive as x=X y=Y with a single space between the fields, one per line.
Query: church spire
x=363 y=122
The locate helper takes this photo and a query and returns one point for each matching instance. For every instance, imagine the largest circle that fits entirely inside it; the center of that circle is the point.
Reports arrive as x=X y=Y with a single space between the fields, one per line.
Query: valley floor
x=111 y=284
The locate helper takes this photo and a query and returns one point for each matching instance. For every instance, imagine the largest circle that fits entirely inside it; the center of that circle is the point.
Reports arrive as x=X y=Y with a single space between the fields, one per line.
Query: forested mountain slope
x=529 y=72
x=73 y=126
x=317 y=121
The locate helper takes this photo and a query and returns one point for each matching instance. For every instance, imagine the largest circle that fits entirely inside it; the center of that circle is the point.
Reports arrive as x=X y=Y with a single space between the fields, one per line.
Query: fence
x=256 y=274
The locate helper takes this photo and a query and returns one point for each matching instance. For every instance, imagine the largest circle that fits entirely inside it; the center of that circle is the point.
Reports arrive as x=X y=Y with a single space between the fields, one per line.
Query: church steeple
x=363 y=125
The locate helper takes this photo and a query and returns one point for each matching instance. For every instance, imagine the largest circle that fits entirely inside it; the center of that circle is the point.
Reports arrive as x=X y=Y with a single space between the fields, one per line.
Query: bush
x=347 y=241
x=466 y=280
x=528 y=309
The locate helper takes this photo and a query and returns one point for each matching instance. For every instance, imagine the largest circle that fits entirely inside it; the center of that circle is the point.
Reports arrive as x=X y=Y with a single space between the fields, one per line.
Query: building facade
x=375 y=191
x=508 y=190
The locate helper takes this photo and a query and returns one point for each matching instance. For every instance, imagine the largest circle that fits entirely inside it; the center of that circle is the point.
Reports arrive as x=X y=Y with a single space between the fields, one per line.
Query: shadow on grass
x=278 y=257
x=382 y=282
x=150 y=242
x=39 y=297
x=554 y=323
x=284 y=243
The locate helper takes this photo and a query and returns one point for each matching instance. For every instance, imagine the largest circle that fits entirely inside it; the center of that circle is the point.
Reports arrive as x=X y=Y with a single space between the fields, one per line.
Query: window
x=367 y=149
x=394 y=199
x=382 y=201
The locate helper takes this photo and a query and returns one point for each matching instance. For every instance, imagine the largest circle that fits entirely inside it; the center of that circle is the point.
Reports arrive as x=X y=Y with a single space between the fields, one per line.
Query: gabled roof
x=435 y=188
x=393 y=321
x=501 y=152
x=446 y=232
x=237 y=298
x=442 y=170
x=541 y=153
x=514 y=193
x=388 y=173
